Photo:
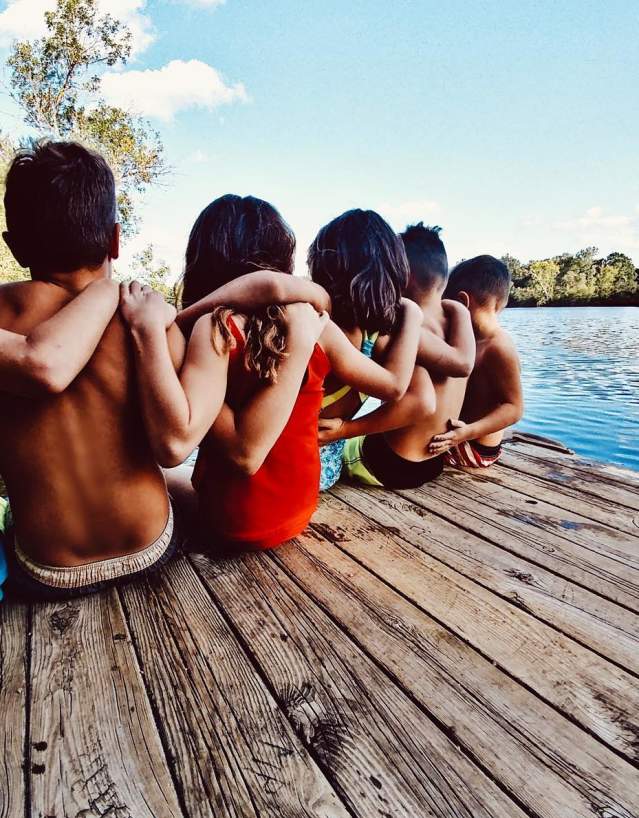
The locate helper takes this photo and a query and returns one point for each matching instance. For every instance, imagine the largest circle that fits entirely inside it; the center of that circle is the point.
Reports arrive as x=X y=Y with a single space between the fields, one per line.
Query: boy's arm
x=509 y=403
x=246 y=436
x=255 y=290
x=56 y=351
x=455 y=356
x=388 y=382
x=178 y=412
x=416 y=405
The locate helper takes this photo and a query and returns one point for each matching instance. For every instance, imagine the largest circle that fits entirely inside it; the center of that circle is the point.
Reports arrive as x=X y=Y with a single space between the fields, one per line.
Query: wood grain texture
x=96 y=748
x=620 y=486
x=600 y=696
x=598 y=623
x=234 y=752
x=13 y=707
x=384 y=755
x=556 y=769
x=530 y=487
x=604 y=563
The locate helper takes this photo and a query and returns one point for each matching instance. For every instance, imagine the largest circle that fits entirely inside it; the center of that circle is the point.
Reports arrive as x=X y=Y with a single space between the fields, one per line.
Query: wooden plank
x=96 y=748
x=609 y=472
x=500 y=503
x=562 y=496
x=532 y=535
x=556 y=769
x=13 y=707
x=598 y=623
x=235 y=752
x=594 y=480
x=600 y=696
x=383 y=754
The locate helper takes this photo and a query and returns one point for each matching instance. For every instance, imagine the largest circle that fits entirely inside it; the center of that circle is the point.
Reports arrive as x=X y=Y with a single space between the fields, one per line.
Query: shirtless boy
x=493 y=396
x=88 y=501
x=389 y=447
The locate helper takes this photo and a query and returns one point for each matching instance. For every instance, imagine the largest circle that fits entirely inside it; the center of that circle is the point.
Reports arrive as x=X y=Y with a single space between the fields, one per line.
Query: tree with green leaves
x=154 y=273
x=56 y=80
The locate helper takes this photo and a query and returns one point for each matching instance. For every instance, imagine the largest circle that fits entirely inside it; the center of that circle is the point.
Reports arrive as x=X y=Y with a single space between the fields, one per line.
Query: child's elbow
x=170 y=453
x=465 y=367
x=49 y=378
x=247 y=464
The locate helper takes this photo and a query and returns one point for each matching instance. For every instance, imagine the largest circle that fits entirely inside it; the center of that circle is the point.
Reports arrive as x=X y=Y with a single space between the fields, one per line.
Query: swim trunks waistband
x=473 y=455
x=102 y=571
x=373 y=455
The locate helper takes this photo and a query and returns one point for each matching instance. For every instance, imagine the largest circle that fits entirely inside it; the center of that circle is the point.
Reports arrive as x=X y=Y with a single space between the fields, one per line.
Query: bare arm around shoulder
x=56 y=351
x=503 y=363
x=454 y=356
x=417 y=404
x=388 y=382
x=247 y=435
x=178 y=411
x=255 y=290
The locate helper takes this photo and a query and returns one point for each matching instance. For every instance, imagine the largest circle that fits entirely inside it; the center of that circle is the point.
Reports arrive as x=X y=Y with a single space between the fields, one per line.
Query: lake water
x=580 y=369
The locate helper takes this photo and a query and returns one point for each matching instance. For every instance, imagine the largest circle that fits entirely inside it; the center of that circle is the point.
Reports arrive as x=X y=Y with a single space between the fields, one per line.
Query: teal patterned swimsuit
x=331 y=454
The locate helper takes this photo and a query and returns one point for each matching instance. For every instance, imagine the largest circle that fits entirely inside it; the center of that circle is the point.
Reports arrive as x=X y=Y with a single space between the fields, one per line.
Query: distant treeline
x=574 y=280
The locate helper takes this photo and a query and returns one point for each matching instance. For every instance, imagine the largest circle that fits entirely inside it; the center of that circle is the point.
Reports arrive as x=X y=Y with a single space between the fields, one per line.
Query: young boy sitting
x=389 y=447
x=493 y=395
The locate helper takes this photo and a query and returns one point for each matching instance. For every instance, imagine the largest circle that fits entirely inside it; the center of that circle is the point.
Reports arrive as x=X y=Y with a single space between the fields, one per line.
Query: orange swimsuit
x=277 y=502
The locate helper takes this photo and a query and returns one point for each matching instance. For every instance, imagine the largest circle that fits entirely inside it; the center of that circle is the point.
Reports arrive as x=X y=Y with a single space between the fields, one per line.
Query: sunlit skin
x=494 y=399
x=81 y=476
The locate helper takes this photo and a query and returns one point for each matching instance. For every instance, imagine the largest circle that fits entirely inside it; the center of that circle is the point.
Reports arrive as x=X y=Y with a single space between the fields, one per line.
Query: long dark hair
x=362 y=264
x=232 y=236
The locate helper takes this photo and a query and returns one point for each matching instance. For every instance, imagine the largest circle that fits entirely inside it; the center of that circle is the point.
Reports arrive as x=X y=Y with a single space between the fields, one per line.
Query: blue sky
x=512 y=124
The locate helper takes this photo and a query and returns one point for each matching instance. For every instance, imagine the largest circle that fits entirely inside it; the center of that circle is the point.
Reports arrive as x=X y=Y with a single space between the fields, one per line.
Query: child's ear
x=15 y=251
x=463 y=296
x=114 y=249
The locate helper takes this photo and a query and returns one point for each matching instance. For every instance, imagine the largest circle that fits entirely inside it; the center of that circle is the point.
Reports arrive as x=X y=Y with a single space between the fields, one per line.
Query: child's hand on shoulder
x=412 y=312
x=143 y=308
x=330 y=430
x=304 y=322
x=453 y=437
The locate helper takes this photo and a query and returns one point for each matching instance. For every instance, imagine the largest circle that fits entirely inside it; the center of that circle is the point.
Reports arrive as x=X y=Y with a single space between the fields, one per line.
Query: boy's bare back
x=412 y=442
x=81 y=479
x=494 y=380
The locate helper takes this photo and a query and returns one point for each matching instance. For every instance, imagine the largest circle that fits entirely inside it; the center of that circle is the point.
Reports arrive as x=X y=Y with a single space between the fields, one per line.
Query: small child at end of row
x=493 y=399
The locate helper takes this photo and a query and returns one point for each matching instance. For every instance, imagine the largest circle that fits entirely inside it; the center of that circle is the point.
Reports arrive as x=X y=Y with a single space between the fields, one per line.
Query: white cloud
x=24 y=19
x=400 y=214
x=608 y=231
x=178 y=85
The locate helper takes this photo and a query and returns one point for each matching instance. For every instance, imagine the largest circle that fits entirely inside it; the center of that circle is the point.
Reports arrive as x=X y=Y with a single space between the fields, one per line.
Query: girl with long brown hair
x=257 y=473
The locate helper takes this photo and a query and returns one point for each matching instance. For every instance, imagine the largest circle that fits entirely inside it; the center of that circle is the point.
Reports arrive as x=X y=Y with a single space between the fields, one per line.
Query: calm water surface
x=581 y=377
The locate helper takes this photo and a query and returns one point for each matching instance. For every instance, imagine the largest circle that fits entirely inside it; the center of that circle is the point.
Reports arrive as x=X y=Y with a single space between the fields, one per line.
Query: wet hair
x=60 y=207
x=481 y=277
x=232 y=236
x=362 y=264
x=426 y=254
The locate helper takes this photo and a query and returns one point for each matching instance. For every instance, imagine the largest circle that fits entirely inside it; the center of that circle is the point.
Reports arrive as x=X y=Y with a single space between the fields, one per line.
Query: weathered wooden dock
x=467 y=649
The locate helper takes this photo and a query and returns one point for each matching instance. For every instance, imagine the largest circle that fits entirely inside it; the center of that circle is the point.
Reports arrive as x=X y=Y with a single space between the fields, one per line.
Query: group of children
x=106 y=391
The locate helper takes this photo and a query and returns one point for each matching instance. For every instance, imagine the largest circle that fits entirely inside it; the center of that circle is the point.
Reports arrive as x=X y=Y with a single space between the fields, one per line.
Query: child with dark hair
x=364 y=267
x=389 y=446
x=257 y=471
x=493 y=400
x=75 y=463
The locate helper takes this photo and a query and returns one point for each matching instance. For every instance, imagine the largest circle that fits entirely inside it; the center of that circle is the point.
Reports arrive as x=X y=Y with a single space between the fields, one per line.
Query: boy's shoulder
x=18 y=295
x=500 y=348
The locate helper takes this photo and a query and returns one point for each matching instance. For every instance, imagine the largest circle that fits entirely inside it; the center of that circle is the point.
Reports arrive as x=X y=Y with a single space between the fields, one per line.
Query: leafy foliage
x=56 y=80
x=568 y=279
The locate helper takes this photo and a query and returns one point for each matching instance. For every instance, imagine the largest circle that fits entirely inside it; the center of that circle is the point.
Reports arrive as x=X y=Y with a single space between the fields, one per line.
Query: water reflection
x=581 y=377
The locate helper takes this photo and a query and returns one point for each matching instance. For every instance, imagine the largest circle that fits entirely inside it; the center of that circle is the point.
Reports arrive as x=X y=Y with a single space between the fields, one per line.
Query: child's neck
x=77 y=280
x=429 y=301
x=485 y=324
